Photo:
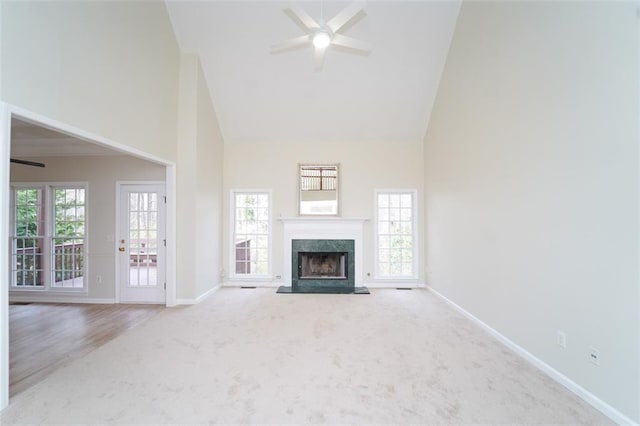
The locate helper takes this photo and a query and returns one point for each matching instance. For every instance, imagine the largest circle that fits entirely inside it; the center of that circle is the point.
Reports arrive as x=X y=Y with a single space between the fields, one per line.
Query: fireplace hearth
x=322 y=266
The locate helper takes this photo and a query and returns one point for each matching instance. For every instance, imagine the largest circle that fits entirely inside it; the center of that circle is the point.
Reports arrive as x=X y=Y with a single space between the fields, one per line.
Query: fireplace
x=322 y=266
x=321 y=235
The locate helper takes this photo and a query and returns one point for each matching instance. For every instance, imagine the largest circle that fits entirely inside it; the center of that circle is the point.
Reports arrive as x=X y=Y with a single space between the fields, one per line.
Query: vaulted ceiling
x=260 y=97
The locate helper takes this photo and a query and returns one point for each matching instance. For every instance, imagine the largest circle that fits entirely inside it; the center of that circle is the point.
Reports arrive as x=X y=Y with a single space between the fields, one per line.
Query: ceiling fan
x=322 y=34
x=27 y=163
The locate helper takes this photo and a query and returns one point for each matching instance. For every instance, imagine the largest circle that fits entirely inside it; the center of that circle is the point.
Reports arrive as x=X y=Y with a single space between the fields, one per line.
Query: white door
x=141 y=243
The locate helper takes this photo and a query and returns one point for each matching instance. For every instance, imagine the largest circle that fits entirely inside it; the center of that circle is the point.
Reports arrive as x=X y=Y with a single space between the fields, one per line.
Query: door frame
x=119 y=185
x=7 y=112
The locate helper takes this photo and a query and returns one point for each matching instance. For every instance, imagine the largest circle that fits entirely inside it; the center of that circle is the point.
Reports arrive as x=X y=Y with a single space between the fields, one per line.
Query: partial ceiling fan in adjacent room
x=321 y=34
x=27 y=163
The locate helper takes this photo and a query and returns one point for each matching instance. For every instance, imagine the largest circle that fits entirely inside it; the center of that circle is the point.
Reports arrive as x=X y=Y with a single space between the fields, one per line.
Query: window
x=396 y=234
x=28 y=238
x=144 y=212
x=48 y=237
x=68 y=237
x=251 y=233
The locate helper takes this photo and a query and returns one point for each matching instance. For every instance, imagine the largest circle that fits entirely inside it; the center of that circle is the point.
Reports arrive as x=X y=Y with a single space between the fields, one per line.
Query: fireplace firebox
x=322 y=265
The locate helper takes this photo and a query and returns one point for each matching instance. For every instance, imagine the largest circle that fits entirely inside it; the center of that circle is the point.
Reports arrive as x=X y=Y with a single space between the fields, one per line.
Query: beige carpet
x=253 y=356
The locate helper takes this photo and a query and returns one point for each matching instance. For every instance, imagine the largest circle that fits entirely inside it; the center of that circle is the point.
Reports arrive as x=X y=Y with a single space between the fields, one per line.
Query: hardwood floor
x=45 y=336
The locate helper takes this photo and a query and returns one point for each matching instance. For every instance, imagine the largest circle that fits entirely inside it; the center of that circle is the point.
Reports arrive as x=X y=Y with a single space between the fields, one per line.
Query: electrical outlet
x=561 y=339
x=594 y=356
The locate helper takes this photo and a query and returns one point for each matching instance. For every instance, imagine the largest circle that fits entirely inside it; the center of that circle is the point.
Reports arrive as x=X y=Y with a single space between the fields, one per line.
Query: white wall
x=531 y=180
x=109 y=68
x=5 y=144
x=363 y=168
x=1 y=50
x=210 y=171
x=200 y=159
x=186 y=177
x=101 y=174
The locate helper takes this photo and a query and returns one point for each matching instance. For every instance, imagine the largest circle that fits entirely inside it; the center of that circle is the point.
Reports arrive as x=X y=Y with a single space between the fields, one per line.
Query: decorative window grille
x=48 y=237
x=318 y=178
x=251 y=233
x=396 y=234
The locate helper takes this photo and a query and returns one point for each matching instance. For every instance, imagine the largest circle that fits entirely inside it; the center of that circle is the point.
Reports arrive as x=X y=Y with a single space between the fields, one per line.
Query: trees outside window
x=395 y=234
x=28 y=238
x=68 y=237
x=48 y=237
x=251 y=233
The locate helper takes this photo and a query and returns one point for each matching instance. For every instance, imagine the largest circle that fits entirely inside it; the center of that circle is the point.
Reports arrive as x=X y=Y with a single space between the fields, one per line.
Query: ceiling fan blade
x=345 y=15
x=26 y=163
x=318 y=55
x=351 y=43
x=290 y=43
x=302 y=16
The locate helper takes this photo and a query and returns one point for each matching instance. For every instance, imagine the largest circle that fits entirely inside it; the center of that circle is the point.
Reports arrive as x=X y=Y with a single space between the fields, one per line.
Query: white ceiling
x=30 y=140
x=385 y=96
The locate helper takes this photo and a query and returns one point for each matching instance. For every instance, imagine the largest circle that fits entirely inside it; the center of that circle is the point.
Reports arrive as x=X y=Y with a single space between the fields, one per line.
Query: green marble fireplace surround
x=333 y=285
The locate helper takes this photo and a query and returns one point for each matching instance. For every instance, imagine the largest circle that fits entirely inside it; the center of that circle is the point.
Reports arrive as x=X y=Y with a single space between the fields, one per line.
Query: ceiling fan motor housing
x=321 y=38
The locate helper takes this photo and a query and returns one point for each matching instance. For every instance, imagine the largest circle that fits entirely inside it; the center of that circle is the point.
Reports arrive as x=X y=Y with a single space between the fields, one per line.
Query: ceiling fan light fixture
x=321 y=39
x=321 y=34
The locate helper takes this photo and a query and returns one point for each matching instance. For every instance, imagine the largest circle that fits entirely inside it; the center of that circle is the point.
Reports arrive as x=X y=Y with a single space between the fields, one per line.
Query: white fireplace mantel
x=324 y=228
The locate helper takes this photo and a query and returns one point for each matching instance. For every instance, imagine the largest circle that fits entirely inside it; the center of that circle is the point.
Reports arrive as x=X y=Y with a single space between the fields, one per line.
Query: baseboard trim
x=372 y=284
x=199 y=298
x=394 y=284
x=41 y=298
x=587 y=396
x=266 y=284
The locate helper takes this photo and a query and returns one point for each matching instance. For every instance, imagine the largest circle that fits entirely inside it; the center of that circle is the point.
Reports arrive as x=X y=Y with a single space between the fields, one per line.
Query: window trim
x=49 y=219
x=233 y=276
x=414 y=235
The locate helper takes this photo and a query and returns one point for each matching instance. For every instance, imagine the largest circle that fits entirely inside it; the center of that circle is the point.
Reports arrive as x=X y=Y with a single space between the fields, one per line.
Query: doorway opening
x=61 y=148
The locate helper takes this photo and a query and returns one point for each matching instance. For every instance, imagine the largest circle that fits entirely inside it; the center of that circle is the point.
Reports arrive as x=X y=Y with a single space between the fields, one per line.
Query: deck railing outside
x=68 y=263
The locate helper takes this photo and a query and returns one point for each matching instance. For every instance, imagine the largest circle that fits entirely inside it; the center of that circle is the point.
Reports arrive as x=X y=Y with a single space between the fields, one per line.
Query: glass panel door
x=141 y=243
x=143 y=239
